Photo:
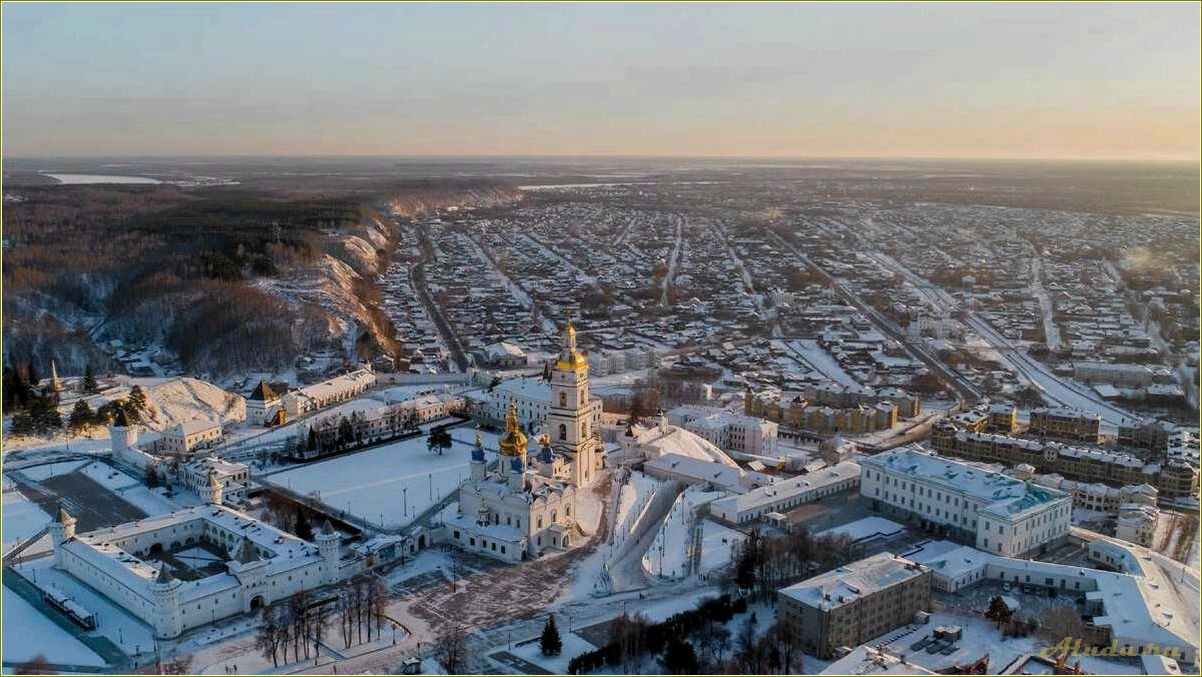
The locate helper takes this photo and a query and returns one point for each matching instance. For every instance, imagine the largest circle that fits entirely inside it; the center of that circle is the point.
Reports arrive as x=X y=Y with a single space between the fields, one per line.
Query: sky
x=1006 y=80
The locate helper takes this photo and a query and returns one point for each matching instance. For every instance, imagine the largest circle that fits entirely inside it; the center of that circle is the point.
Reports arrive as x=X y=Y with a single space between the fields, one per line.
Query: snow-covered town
x=587 y=338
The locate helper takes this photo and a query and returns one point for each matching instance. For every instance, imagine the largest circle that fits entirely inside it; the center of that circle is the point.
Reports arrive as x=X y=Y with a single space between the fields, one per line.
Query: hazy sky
x=932 y=80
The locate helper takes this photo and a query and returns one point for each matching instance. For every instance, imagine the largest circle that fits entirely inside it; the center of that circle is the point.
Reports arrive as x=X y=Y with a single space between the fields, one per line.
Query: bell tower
x=568 y=415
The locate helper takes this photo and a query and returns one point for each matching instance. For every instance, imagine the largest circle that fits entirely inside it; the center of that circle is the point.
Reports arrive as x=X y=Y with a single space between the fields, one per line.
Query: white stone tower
x=213 y=492
x=165 y=591
x=328 y=544
x=122 y=435
x=62 y=529
x=567 y=417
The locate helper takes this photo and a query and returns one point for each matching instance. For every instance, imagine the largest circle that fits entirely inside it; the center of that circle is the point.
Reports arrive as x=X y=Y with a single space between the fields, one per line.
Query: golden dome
x=570 y=358
x=514 y=442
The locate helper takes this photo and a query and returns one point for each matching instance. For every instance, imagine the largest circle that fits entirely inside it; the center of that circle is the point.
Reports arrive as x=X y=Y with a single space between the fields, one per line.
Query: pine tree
x=680 y=658
x=304 y=529
x=22 y=423
x=90 y=386
x=45 y=415
x=998 y=611
x=550 y=643
x=137 y=398
x=81 y=417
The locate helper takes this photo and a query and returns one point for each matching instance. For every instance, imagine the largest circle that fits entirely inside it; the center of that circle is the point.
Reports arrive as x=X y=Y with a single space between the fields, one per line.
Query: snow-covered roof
x=669 y=439
x=1003 y=496
x=282 y=550
x=786 y=489
x=854 y=581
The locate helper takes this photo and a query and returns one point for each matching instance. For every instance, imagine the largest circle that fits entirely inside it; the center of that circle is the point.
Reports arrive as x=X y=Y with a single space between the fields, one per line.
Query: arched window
x=563 y=400
x=563 y=431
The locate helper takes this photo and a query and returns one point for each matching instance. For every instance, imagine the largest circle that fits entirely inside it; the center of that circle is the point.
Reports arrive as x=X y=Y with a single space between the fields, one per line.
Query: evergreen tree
x=680 y=658
x=22 y=423
x=312 y=439
x=17 y=392
x=31 y=375
x=998 y=611
x=137 y=398
x=304 y=529
x=81 y=417
x=346 y=433
x=550 y=643
x=152 y=476
x=90 y=386
x=439 y=440
x=45 y=415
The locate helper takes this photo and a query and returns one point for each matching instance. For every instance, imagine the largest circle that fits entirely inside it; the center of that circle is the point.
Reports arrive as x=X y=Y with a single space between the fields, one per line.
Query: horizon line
x=1196 y=160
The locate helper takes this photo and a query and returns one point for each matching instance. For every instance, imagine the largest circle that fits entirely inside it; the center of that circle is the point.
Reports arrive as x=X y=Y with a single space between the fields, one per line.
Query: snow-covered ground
x=391 y=484
x=22 y=518
x=81 y=179
x=118 y=625
x=670 y=553
x=632 y=503
x=866 y=528
x=719 y=545
x=28 y=633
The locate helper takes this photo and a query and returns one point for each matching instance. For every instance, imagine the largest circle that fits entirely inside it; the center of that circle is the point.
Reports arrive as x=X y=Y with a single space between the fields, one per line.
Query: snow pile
x=178 y=400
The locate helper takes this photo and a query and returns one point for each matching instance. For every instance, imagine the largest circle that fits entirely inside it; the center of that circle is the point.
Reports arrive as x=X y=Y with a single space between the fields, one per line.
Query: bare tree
x=38 y=665
x=268 y=640
x=450 y=647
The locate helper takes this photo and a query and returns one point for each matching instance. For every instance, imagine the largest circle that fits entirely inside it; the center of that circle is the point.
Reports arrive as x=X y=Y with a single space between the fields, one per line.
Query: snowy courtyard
x=390 y=485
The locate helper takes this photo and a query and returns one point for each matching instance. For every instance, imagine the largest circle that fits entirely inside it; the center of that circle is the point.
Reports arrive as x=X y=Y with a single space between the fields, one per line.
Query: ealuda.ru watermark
x=1074 y=647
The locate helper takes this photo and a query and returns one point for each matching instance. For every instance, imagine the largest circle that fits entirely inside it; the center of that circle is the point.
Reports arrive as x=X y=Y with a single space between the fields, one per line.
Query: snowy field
x=22 y=518
x=81 y=179
x=27 y=633
x=389 y=485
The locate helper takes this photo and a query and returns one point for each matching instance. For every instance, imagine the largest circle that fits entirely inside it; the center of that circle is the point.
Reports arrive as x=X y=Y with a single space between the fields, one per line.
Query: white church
x=524 y=509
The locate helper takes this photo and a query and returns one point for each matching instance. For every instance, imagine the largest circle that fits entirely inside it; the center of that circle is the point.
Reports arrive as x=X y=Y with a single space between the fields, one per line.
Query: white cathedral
x=524 y=509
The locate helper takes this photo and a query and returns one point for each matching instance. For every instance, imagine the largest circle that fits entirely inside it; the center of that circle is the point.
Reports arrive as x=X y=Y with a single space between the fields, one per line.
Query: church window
x=563 y=431
x=563 y=400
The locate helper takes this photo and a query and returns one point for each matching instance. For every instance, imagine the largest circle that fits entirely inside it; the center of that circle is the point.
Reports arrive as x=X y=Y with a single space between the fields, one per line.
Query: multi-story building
x=1137 y=523
x=853 y=604
x=531 y=398
x=996 y=513
x=786 y=494
x=1064 y=423
x=328 y=392
x=1002 y=418
x=727 y=430
x=1173 y=478
x=184 y=438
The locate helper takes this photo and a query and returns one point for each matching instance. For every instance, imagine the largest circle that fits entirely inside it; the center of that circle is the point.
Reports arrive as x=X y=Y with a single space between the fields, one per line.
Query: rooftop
x=854 y=581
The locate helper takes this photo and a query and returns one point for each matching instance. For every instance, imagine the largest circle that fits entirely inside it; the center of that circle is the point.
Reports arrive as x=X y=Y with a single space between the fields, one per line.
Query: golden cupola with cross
x=514 y=441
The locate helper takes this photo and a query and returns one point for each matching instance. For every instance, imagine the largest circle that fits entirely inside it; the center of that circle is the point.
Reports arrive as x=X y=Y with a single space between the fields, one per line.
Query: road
x=950 y=378
x=667 y=283
x=418 y=281
x=1055 y=390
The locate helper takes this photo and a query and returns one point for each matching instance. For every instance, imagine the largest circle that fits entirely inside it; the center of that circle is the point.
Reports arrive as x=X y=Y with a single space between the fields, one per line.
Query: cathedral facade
x=527 y=505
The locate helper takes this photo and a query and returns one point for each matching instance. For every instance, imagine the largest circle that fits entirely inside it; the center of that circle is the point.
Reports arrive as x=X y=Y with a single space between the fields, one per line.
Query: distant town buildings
x=1065 y=424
